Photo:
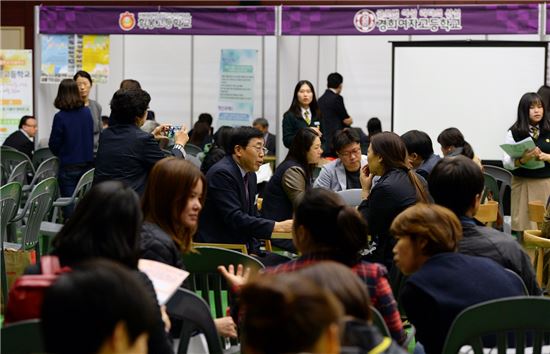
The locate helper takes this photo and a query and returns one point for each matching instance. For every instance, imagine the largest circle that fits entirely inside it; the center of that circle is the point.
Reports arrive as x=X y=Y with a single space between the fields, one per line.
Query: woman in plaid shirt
x=325 y=228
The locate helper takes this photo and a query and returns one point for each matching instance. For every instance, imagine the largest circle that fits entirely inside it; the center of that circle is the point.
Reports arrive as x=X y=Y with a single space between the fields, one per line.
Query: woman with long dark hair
x=303 y=112
x=398 y=188
x=293 y=177
x=529 y=184
x=325 y=228
x=106 y=224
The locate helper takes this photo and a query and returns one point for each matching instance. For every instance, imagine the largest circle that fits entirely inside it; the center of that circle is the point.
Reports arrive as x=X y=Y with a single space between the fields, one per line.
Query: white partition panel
x=162 y=66
x=365 y=63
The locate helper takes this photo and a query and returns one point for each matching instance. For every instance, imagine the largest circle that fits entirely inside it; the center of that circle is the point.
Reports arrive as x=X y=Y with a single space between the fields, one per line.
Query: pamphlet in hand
x=166 y=279
x=516 y=151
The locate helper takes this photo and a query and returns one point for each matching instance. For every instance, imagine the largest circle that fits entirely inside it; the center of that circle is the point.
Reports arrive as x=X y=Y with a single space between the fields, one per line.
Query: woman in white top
x=529 y=183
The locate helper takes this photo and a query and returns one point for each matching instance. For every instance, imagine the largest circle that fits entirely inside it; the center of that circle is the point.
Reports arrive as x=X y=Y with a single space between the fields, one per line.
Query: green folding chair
x=82 y=187
x=522 y=319
x=9 y=158
x=10 y=194
x=23 y=337
x=41 y=155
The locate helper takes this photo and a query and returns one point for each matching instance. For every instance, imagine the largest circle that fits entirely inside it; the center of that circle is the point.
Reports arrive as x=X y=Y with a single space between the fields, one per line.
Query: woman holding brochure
x=171 y=204
x=105 y=224
x=530 y=169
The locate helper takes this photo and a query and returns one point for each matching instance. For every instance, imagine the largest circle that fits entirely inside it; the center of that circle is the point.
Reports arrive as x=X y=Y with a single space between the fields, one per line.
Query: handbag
x=27 y=293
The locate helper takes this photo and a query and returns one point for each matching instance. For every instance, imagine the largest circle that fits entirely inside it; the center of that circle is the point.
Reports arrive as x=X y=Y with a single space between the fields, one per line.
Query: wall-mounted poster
x=237 y=72
x=62 y=55
x=16 y=89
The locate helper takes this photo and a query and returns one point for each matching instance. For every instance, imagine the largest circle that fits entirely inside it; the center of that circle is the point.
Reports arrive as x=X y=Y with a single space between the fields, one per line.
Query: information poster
x=16 y=89
x=237 y=73
x=95 y=56
x=64 y=55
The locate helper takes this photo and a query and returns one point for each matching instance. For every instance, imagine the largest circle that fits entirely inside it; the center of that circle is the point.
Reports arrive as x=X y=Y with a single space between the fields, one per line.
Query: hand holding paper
x=525 y=150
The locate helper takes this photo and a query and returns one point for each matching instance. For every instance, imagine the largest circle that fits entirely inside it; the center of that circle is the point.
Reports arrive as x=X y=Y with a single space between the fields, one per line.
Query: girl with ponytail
x=398 y=188
x=453 y=144
x=325 y=228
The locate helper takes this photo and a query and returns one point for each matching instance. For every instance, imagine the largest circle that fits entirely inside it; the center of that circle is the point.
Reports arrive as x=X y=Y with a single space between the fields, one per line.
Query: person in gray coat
x=343 y=173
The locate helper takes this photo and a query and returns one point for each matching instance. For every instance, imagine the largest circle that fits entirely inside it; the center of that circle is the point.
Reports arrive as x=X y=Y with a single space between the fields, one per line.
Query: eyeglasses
x=355 y=152
x=260 y=149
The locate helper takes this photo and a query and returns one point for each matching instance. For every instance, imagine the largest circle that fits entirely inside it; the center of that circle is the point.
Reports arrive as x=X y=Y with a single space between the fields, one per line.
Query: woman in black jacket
x=303 y=112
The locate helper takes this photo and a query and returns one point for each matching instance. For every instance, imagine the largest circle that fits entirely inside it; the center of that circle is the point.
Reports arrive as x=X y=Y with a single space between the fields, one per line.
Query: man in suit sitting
x=333 y=112
x=262 y=125
x=23 y=139
x=229 y=214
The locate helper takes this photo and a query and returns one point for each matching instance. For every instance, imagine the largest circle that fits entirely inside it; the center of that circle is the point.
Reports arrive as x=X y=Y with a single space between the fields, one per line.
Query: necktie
x=307 y=118
x=245 y=178
x=535 y=132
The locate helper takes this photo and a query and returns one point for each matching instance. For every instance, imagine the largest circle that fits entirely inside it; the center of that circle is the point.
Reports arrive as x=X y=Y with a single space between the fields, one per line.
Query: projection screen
x=474 y=86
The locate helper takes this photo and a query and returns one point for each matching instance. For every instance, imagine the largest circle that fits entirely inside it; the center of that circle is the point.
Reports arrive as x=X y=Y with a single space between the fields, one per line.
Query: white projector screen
x=473 y=86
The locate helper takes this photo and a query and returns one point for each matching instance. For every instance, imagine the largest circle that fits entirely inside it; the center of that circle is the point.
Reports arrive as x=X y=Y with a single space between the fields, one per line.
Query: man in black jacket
x=457 y=183
x=333 y=112
x=22 y=139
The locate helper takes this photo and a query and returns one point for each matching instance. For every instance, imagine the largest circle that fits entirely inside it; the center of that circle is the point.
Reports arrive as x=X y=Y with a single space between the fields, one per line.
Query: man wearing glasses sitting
x=343 y=173
x=229 y=214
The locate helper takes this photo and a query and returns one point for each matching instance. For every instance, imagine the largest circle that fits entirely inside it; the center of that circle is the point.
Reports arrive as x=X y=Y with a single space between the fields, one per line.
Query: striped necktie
x=307 y=118
x=535 y=131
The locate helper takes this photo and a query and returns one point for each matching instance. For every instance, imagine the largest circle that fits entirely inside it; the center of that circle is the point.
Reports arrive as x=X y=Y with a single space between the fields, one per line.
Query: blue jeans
x=68 y=179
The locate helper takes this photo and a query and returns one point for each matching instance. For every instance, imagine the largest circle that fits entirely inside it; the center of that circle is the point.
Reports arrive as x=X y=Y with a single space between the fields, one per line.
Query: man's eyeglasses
x=260 y=149
x=355 y=152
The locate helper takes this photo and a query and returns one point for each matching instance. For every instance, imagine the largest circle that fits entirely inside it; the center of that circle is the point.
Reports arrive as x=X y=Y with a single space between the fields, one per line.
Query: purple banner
x=489 y=19
x=547 y=18
x=157 y=20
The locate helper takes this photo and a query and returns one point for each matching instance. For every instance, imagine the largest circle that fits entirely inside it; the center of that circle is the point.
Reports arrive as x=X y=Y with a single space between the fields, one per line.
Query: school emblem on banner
x=127 y=21
x=364 y=20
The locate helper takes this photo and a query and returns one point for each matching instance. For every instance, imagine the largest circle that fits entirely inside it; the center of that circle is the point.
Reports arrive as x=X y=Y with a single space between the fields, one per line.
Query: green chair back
x=9 y=158
x=520 y=317
x=41 y=155
x=10 y=194
x=23 y=337
x=82 y=187
x=205 y=276
x=19 y=173
x=491 y=188
x=378 y=322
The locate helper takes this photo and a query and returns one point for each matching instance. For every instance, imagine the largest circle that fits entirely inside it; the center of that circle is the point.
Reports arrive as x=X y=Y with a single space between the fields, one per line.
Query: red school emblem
x=127 y=21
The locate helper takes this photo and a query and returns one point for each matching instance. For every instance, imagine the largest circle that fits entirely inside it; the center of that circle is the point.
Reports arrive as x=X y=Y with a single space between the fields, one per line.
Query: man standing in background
x=333 y=112
x=263 y=125
x=23 y=139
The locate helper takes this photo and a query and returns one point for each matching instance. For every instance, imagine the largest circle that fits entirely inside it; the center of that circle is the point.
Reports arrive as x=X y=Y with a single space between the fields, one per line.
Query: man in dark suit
x=333 y=112
x=23 y=139
x=262 y=125
x=229 y=214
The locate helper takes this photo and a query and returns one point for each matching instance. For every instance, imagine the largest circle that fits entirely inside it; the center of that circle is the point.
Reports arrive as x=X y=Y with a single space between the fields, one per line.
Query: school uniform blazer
x=334 y=112
x=227 y=217
x=292 y=124
x=333 y=175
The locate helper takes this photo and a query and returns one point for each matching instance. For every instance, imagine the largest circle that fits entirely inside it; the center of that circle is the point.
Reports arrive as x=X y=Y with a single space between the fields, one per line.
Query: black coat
x=127 y=154
x=158 y=246
x=271 y=144
x=333 y=112
x=19 y=141
x=226 y=216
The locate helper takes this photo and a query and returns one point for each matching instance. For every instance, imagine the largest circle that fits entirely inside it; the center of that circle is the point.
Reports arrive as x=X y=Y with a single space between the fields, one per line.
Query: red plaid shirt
x=374 y=275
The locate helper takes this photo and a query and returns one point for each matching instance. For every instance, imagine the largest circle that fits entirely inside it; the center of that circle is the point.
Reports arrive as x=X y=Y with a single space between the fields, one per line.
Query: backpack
x=27 y=293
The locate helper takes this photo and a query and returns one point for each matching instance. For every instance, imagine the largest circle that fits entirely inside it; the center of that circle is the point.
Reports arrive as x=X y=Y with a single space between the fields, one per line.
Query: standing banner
x=65 y=54
x=410 y=20
x=236 y=100
x=16 y=89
